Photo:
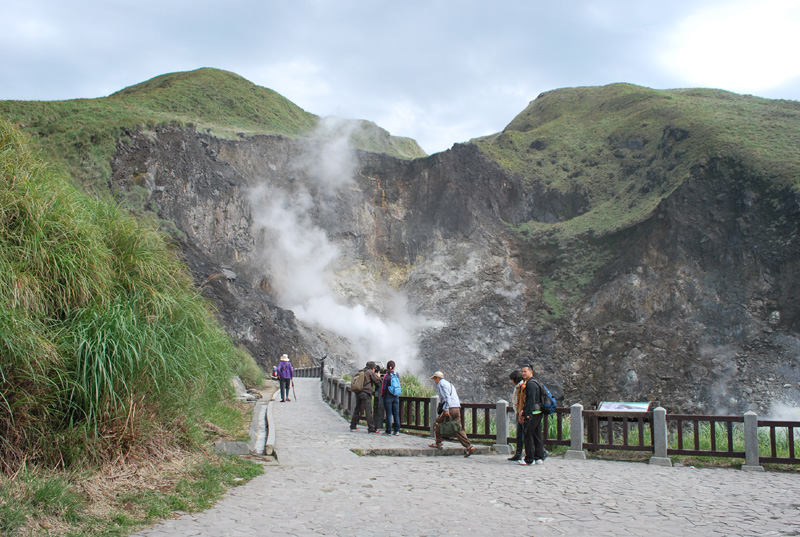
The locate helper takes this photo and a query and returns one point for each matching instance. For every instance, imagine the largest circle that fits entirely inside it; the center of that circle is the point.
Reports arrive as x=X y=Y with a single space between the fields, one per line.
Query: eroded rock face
x=693 y=307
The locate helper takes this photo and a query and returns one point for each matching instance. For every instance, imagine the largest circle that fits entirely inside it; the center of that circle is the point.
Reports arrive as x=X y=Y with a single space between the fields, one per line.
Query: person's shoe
x=538 y=461
x=437 y=446
x=288 y=399
x=516 y=457
x=470 y=451
x=386 y=434
x=397 y=433
x=283 y=400
x=353 y=429
x=522 y=462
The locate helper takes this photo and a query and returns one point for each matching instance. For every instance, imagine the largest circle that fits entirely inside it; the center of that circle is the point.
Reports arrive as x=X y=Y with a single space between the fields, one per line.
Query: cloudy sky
x=439 y=71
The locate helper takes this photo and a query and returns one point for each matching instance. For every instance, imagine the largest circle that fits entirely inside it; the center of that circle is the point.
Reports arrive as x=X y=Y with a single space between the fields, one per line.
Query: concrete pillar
x=432 y=406
x=575 y=451
x=501 y=418
x=659 y=426
x=751 y=459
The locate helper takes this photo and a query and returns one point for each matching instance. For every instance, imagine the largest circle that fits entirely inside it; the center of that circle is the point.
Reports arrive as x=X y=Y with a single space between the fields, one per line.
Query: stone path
x=321 y=487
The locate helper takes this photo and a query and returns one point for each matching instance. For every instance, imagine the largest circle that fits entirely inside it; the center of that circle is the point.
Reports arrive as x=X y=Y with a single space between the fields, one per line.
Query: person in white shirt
x=451 y=409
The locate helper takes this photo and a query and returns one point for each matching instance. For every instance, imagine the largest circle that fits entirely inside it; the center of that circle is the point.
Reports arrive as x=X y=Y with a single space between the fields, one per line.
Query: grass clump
x=414 y=387
x=107 y=353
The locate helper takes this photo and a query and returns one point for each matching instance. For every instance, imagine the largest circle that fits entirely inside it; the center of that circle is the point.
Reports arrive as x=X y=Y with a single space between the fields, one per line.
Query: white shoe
x=522 y=462
x=538 y=461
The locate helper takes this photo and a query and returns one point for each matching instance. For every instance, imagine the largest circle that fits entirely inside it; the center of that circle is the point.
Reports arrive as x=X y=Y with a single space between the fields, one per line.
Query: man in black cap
x=364 y=398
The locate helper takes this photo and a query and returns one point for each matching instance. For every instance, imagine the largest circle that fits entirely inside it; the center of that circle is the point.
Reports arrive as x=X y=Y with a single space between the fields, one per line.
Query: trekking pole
x=294 y=392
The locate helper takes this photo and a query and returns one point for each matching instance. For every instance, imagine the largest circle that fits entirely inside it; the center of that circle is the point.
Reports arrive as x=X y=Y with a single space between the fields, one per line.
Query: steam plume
x=303 y=262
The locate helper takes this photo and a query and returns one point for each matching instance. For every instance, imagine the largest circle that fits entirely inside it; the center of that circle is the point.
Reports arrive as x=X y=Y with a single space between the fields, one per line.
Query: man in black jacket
x=530 y=417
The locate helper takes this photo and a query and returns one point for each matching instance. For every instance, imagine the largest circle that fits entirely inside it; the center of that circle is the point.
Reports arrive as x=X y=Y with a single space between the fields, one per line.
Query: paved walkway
x=321 y=487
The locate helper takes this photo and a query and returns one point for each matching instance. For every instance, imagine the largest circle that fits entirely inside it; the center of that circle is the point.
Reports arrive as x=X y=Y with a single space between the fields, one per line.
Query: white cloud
x=742 y=46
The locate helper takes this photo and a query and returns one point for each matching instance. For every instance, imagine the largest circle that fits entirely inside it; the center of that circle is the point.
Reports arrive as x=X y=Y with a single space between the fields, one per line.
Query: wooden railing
x=698 y=429
x=415 y=413
x=774 y=436
x=654 y=432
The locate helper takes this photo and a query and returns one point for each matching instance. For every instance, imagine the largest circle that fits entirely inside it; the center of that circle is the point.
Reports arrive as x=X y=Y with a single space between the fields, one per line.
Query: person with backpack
x=285 y=376
x=450 y=410
x=530 y=417
x=363 y=385
x=517 y=402
x=390 y=392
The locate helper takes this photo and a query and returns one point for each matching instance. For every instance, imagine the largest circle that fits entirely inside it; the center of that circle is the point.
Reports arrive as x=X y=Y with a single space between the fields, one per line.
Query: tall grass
x=104 y=343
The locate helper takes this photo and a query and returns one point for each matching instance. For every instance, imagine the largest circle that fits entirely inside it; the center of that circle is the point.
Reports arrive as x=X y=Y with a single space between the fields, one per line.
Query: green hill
x=83 y=133
x=623 y=148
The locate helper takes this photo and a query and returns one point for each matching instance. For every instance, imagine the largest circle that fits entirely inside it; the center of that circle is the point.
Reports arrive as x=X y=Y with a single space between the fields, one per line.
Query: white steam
x=304 y=265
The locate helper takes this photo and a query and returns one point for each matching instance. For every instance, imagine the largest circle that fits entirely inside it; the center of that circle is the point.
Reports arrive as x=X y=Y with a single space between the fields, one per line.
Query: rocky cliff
x=638 y=263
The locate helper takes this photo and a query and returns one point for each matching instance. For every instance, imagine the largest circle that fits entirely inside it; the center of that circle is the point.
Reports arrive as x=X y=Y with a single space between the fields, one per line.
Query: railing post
x=501 y=419
x=751 y=460
x=433 y=404
x=351 y=405
x=575 y=451
x=659 y=426
x=340 y=393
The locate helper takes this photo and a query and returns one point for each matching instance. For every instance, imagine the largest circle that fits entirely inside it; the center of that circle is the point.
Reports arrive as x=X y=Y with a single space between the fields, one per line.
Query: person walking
x=517 y=402
x=390 y=392
x=285 y=376
x=451 y=409
x=364 y=398
x=530 y=417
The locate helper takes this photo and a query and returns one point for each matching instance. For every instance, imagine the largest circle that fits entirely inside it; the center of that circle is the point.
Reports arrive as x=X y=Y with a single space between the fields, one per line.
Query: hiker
x=517 y=402
x=390 y=392
x=530 y=417
x=451 y=407
x=364 y=398
x=285 y=375
x=275 y=372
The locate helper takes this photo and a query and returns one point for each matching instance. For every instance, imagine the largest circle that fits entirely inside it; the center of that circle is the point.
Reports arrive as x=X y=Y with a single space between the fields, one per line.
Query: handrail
x=661 y=435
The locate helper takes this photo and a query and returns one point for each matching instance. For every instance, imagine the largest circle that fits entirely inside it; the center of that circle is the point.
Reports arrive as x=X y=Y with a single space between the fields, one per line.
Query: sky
x=438 y=71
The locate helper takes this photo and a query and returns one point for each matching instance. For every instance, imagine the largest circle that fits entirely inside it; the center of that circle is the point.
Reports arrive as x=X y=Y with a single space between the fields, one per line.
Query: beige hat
x=437 y=374
x=284 y=358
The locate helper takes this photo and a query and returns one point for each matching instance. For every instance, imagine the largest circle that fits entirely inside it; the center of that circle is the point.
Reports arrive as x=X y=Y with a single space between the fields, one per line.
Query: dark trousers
x=284 y=384
x=534 y=444
x=461 y=436
x=363 y=403
x=520 y=440
x=391 y=407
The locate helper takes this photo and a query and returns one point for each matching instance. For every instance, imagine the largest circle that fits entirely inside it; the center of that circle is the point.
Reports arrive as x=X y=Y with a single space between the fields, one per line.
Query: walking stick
x=294 y=392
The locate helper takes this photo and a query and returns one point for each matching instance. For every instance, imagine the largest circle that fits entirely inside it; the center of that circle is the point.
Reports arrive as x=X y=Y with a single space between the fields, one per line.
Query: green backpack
x=357 y=383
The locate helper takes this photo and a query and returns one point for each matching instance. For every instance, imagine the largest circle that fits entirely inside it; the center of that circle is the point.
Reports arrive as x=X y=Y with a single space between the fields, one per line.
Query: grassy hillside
x=107 y=353
x=82 y=133
x=624 y=148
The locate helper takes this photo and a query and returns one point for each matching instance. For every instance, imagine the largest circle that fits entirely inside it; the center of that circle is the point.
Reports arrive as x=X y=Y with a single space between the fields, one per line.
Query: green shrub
x=103 y=339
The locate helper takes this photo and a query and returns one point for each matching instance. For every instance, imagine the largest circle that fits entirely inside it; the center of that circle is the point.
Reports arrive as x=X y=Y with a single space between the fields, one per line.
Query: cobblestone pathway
x=321 y=487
